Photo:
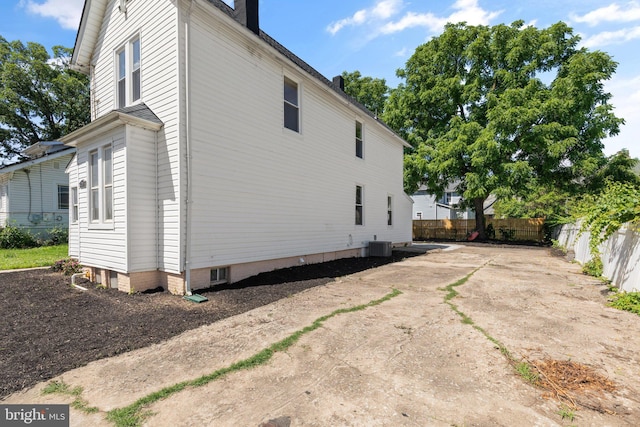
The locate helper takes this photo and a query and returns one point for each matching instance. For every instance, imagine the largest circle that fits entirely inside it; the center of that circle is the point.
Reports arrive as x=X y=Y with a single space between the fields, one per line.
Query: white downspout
x=187 y=240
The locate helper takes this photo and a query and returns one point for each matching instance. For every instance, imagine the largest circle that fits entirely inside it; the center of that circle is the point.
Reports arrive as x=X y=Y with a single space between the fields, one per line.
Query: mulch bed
x=49 y=327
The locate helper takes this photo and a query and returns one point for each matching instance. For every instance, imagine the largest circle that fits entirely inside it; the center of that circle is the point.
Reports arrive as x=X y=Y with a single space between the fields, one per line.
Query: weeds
x=60 y=387
x=566 y=413
x=134 y=414
x=627 y=301
x=527 y=373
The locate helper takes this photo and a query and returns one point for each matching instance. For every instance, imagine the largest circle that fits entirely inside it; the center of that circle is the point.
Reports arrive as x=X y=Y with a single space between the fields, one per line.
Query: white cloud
x=626 y=102
x=464 y=11
x=66 y=12
x=402 y=52
x=612 y=37
x=612 y=13
x=381 y=10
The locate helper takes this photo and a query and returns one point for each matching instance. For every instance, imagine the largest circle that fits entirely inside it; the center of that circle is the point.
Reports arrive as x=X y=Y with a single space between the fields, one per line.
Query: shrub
x=12 y=237
x=57 y=236
x=593 y=267
x=628 y=301
x=67 y=266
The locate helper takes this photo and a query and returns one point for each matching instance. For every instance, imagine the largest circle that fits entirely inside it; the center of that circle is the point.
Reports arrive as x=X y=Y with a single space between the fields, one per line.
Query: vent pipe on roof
x=246 y=12
x=339 y=82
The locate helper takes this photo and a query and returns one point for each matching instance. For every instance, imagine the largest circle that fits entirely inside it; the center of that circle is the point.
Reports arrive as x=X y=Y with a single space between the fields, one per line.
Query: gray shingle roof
x=141 y=111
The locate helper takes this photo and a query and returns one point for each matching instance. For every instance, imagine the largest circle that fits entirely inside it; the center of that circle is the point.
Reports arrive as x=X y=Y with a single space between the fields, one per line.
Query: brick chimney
x=246 y=12
x=339 y=82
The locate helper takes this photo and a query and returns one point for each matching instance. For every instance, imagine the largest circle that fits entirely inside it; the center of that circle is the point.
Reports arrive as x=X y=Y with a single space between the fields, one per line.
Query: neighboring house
x=34 y=193
x=428 y=206
x=214 y=153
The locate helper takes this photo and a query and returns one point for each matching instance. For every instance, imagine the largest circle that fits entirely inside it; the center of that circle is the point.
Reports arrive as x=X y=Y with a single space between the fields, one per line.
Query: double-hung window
x=101 y=185
x=389 y=210
x=63 y=197
x=74 y=204
x=291 y=105
x=128 y=84
x=359 y=143
x=359 y=206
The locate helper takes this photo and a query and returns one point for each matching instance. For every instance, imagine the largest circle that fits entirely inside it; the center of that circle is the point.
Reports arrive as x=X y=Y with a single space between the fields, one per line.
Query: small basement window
x=219 y=275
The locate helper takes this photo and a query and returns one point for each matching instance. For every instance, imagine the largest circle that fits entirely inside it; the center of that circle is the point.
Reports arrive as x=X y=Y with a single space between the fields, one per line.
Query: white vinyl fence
x=620 y=253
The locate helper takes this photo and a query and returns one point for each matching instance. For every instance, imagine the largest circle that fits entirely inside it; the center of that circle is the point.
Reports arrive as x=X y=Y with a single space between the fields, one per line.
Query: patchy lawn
x=35 y=257
x=50 y=327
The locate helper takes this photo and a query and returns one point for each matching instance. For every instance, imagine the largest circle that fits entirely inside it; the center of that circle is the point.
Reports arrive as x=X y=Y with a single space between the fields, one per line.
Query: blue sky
x=377 y=37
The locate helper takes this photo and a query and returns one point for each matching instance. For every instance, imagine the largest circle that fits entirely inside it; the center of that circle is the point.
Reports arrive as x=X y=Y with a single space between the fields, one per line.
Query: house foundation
x=201 y=278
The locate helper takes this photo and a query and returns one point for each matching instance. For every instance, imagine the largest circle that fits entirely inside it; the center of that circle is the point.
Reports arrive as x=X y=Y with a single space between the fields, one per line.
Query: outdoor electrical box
x=380 y=249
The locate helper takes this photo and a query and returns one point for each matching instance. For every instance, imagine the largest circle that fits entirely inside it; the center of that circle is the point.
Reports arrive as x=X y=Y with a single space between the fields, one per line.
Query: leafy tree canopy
x=501 y=110
x=370 y=92
x=41 y=99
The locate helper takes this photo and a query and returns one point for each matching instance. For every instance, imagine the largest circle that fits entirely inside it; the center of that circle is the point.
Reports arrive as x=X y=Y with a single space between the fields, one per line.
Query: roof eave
x=105 y=123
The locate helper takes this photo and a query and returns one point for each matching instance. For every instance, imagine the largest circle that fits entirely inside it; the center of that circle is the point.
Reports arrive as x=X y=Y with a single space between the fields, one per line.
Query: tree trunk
x=478 y=207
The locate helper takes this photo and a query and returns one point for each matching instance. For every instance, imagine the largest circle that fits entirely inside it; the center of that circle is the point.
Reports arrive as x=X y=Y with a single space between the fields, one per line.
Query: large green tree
x=41 y=98
x=370 y=92
x=503 y=109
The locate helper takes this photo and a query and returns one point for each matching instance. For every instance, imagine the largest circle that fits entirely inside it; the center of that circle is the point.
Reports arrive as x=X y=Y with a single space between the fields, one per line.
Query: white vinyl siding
x=158 y=26
x=31 y=201
x=141 y=199
x=262 y=192
x=101 y=244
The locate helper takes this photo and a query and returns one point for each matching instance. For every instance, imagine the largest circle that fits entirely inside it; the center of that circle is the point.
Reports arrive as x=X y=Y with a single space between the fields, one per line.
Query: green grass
x=36 y=257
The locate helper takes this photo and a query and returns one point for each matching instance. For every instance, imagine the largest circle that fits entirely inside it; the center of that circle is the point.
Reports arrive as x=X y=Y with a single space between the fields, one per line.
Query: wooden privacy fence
x=521 y=229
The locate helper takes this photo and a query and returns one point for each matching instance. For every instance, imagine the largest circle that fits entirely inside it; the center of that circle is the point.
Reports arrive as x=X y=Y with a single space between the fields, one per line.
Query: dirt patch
x=50 y=327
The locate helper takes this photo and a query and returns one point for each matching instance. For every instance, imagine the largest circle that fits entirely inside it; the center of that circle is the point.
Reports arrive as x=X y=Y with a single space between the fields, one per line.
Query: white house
x=214 y=153
x=34 y=192
x=429 y=206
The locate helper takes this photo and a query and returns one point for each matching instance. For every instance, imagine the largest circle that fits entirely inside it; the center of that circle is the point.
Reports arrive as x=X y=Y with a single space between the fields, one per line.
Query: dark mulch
x=48 y=327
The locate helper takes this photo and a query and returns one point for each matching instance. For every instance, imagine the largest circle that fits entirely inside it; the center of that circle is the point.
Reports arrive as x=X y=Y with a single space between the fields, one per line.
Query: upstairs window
x=122 y=79
x=359 y=206
x=359 y=147
x=291 y=105
x=128 y=83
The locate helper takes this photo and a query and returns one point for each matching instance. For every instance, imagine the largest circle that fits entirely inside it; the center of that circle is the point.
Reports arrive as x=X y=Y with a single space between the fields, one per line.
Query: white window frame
x=74 y=204
x=359 y=139
x=219 y=275
x=290 y=104
x=101 y=191
x=359 y=213
x=128 y=79
x=389 y=210
x=61 y=195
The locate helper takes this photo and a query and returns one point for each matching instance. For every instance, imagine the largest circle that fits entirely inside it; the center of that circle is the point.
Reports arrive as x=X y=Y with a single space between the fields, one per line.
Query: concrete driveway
x=408 y=360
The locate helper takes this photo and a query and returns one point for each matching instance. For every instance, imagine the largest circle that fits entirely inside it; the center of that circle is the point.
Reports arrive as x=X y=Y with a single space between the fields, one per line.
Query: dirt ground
x=426 y=357
x=49 y=327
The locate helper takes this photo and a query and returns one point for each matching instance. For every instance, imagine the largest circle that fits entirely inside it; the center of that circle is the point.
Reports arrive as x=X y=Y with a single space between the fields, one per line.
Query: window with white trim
x=74 y=204
x=291 y=105
x=128 y=83
x=359 y=141
x=63 y=197
x=359 y=205
x=219 y=275
x=389 y=210
x=101 y=185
